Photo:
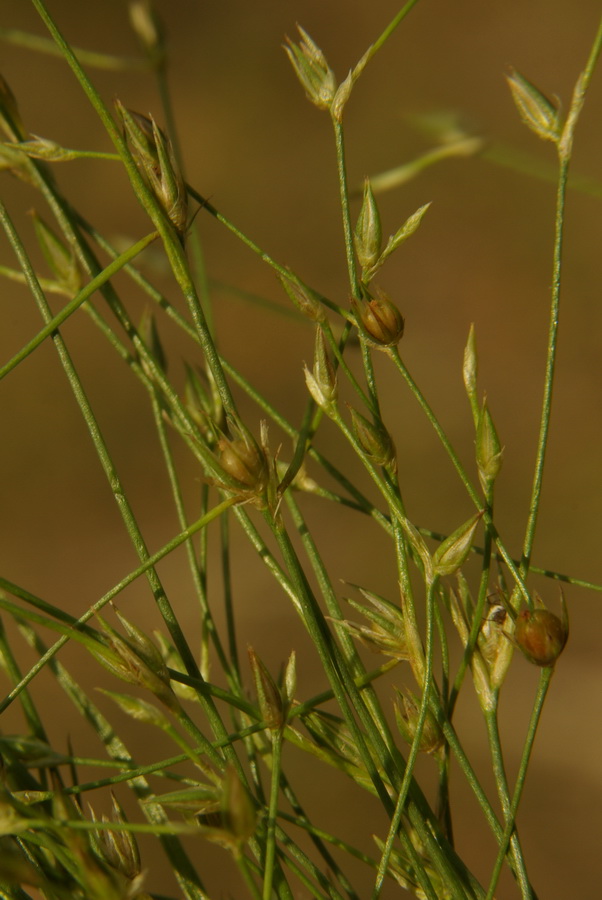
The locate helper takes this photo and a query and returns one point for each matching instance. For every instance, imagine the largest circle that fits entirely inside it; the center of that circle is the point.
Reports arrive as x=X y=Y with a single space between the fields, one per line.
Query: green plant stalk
x=477 y=616
x=504 y=795
x=471 y=490
x=351 y=655
x=233 y=660
x=83 y=295
x=328 y=653
x=345 y=211
x=194 y=241
x=171 y=242
x=255 y=248
x=333 y=867
x=564 y=157
x=68 y=154
x=196 y=568
x=386 y=34
x=87 y=57
x=10 y=666
x=133 y=771
x=348 y=646
x=270 y=847
x=546 y=411
x=544 y=684
x=443 y=757
x=413 y=755
x=245 y=870
x=47 y=285
x=339 y=358
x=302 y=862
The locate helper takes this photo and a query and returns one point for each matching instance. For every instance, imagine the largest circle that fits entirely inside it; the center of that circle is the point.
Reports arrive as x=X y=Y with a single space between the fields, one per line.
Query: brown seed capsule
x=380 y=320
x=541 y=636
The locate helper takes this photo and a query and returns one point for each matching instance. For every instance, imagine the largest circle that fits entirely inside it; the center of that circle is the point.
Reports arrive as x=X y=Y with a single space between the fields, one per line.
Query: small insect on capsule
x=497 y=614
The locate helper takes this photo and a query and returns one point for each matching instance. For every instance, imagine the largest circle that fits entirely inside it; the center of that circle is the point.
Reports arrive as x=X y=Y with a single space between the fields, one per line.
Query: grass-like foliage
x=463 y=613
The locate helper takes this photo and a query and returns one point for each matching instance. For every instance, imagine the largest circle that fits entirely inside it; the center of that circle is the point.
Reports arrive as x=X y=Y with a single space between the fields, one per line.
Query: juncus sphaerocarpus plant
x=450 y=628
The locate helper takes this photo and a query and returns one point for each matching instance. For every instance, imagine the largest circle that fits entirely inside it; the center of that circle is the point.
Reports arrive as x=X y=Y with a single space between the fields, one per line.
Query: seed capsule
x=541 y=636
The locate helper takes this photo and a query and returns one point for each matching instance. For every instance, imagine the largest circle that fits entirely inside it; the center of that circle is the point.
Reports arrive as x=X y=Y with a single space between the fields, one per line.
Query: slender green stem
x=546 y=410
x=255 y=248
x=413 y=756
x=544 y=684
x=270 y=847
x=471 y=490
x=86 y=57
x=499 y=772
x=564 y=155
x=245 y=870
x=386 y=34
x=344 y=198
x=196 y=567
x=97 y=282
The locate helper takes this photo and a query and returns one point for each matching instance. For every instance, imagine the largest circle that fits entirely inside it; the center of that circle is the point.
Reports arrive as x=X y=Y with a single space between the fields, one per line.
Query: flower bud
x=396 y=240
x=376 y=441
x=342 y=94
x=312 y=70
x=452 y=552
x=153 y=154
x=169 y=186
x=541 y=635
x=322 y=382
x=489 y=451
x=43 y=148
x=304 y=298
x=368 y=232
x=268 y=695
x=242 y=460
x=386 y=630
x=380 y=320
x=469 y=372
x=61 y=259
x=10 y=118
x=136 y=660
x=536 y=111
x=407 y=714
x=119 y=848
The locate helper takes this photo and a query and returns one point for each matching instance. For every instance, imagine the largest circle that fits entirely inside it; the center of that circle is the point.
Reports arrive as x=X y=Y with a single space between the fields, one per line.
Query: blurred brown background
x=483 y=254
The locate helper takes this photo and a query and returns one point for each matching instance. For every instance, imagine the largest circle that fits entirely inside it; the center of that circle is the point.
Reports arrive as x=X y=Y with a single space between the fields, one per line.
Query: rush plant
x=461 y=617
